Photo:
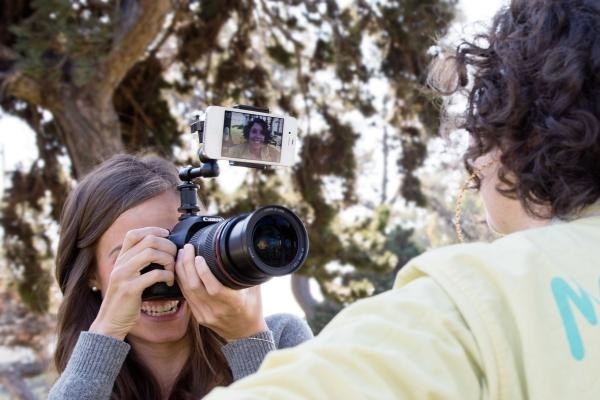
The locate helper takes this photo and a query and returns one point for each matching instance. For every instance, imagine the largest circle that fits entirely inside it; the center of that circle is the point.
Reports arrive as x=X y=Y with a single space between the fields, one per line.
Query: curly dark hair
x=535 y=96
x=264 y=126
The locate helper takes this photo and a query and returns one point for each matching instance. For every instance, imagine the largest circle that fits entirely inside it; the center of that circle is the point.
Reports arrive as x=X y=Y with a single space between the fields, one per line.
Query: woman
x=257 y=135
x=514 y=319
x=111 y=344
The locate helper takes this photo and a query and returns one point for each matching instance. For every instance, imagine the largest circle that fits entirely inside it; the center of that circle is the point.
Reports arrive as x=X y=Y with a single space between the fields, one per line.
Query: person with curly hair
x=517 y=318
x=257 y=135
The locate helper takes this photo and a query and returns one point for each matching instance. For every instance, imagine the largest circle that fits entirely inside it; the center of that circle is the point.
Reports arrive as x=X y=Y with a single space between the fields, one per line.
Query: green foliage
x=144 y=115
x=34 y=198
x=385 y=251
x=280 y=55
x=25 y=256
x=61 y=40
x=306 y=58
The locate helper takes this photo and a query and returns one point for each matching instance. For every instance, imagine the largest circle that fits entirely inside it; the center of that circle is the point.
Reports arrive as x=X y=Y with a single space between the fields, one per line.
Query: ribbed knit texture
x=242 y=355
x=97 y=359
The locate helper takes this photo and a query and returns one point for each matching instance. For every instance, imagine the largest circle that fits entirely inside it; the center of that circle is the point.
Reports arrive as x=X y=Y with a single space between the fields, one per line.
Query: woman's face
x=256 y=136
x=503 y=215
x=159 y=211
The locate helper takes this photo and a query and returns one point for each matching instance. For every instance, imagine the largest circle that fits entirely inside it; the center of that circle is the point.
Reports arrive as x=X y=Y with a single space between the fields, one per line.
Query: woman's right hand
x=122 y=298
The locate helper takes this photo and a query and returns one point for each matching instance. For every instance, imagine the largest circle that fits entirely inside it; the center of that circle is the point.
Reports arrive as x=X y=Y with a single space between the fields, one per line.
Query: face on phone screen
x=252 y=137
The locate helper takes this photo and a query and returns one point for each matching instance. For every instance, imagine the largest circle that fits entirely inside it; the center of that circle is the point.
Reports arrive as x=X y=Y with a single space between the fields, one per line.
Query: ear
x=93 y=282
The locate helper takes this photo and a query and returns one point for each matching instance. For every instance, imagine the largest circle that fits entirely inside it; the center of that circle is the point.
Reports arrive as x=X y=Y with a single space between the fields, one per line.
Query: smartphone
x=249 y=137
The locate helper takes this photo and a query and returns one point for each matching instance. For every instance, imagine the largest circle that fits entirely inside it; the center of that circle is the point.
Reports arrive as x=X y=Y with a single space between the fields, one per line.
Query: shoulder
x=514 y=256
x=270 y=153
x=238 y=149
x=288 y=330
x=506 y=254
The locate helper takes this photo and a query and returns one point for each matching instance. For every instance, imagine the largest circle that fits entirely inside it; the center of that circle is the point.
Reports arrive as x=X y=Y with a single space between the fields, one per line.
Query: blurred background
x=374 y=181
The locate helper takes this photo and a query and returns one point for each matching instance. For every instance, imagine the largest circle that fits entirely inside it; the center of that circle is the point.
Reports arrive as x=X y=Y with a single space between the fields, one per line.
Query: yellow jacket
x=513 y=319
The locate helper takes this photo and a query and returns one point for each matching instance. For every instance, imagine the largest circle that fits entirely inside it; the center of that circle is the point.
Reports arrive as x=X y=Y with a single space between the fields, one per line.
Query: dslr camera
x=246 y=249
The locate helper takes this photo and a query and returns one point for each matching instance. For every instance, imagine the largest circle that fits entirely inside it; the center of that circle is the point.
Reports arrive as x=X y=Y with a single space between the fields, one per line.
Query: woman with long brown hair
x=111 y=344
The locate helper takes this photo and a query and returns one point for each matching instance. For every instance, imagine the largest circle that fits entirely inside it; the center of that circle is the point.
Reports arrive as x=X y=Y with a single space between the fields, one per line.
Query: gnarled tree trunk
x=85 y=113
x=88 y=127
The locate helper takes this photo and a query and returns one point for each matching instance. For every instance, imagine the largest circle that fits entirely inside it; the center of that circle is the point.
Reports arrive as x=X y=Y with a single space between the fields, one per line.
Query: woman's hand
x=232 y=314
x=122 y=299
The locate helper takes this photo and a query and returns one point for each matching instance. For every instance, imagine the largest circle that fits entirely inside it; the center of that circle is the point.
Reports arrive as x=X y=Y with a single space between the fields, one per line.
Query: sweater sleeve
x=244 y=356
x=409 y=343
x=92 y=369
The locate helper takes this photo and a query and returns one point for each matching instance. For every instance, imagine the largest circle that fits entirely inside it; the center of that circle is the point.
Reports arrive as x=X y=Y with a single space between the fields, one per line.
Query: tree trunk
x=89 y=128
x=85 y=116
x=302 y=294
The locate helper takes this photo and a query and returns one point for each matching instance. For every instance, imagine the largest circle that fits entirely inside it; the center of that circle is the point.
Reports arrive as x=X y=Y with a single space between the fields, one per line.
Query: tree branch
x=302 y=82
x=6 y=53
x=15 y=83
x=139 y=23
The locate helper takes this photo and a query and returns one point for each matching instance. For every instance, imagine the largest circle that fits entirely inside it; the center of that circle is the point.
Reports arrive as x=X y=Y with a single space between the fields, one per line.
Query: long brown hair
x=115 y=186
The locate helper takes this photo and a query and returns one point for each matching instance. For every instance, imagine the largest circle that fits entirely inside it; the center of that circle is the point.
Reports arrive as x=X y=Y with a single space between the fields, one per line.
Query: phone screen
x=252 y=137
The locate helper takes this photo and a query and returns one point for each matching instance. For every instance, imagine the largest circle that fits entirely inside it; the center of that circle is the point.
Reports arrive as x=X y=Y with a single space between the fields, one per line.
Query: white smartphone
x=245 y=136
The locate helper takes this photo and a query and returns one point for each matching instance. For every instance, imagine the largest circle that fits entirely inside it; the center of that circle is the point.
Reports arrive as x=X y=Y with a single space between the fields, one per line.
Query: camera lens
x=275 y=241
x=249 y=249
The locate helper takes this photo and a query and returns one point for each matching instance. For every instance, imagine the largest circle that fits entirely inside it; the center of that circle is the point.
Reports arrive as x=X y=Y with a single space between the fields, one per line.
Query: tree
x=93 y=78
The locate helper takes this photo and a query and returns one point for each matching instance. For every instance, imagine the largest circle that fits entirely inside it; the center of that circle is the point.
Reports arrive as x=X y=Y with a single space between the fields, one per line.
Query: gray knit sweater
x=97 y=359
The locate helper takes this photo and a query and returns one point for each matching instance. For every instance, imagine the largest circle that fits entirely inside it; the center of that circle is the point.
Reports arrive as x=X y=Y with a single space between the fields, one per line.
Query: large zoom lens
x=249 y=249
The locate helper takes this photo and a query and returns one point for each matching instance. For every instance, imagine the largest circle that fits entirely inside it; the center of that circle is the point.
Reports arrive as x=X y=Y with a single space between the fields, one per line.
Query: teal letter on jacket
x=564 y=296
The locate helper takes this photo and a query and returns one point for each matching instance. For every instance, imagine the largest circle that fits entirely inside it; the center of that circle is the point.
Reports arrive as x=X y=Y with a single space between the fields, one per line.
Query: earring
x=461 y=198
x=94 y=288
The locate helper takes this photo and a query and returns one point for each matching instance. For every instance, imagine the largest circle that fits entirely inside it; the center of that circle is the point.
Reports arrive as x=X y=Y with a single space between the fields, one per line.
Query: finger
x=181 y=273
x=150 y=278
x=211 y=283
x=134 y=236
x=150 y=241
x=192 y=280
x=144 y=258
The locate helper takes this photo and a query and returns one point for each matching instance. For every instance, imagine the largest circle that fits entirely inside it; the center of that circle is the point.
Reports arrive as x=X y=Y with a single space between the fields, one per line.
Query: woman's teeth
x=155 y=309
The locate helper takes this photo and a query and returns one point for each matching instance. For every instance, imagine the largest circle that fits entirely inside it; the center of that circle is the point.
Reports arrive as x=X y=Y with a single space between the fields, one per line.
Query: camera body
x=180 y=235
x=241 y=251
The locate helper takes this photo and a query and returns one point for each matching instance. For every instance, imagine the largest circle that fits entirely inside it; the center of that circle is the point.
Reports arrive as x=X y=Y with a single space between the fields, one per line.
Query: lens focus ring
x=204 y=240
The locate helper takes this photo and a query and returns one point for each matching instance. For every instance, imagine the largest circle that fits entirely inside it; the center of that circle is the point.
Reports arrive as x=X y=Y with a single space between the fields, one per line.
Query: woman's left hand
x=232 y=314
